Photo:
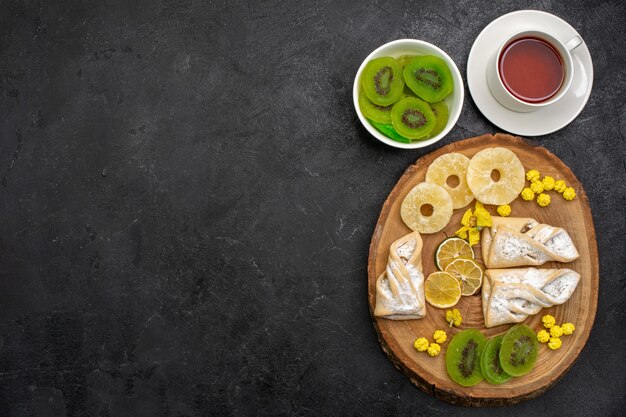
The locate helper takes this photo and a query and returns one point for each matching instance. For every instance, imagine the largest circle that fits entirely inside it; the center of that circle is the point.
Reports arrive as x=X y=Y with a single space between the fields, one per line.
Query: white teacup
x=505 y=97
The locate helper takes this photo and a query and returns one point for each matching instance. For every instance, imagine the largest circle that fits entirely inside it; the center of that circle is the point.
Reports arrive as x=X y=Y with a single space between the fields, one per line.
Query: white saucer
x=540 y=122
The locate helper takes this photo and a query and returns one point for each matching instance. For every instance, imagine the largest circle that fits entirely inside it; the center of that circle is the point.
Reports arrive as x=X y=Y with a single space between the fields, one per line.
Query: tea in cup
x=531 y=70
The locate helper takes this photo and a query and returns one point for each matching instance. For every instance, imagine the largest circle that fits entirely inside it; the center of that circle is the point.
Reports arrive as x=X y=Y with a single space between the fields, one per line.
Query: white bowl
x=396 y=49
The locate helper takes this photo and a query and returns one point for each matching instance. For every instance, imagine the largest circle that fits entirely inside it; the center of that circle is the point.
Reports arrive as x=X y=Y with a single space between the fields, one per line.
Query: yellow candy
x=536 y=187
x=569 y=194
x=554 y=343
x=560 y=186
x=543 y=199
x=454 y=317
x=568 y=328
x=504 y=210
x=434 y=349
x=556 y=331
x=440 y=336
x=420 y=344
x=527 y=194
x=548 y=183
x=543 y=336
x=548 y=321
x=533 y=175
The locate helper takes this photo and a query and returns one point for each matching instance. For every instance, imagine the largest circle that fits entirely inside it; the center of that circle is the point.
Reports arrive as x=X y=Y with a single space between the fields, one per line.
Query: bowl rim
x=456 y=75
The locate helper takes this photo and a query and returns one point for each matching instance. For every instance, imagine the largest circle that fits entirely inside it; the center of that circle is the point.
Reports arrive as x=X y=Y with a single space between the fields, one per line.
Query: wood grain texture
x=396 y=337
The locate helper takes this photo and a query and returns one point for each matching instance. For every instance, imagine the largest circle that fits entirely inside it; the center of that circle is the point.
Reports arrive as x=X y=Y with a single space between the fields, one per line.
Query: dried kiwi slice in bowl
x=440 y=109
x=412 y=118
x=405 y=59
x=408 y=92
x=389 y=131
x=380 y=114
x=429 y=77
x=382 y=81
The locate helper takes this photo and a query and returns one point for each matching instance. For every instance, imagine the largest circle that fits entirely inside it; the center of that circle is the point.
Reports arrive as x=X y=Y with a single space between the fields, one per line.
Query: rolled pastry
x=400 y=288
x=511 y=295
x=516 y=241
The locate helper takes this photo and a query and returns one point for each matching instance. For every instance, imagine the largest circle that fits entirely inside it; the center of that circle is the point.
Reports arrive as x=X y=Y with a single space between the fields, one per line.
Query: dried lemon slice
x=418 y=199
x=451 y=249
x=447 y=167
x=484 y=187
x=469 y=274
x=442 y=290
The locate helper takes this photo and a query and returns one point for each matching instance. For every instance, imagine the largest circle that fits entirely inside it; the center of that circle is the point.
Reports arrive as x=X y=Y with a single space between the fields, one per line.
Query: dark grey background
x=187 y=199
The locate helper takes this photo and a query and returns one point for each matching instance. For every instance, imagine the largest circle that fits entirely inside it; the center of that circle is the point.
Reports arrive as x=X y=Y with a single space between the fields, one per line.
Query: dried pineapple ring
x=451 y=165
x=505 y=189
x=426 y=193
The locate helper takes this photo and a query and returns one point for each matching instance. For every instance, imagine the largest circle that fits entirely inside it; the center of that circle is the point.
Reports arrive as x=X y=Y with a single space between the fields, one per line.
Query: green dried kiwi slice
x=463 y=357
x=429 y=77
x=518 y=352
x=382 y=81
x=405 y=59
x=408 y=92
x=490 y=362
x=380 y=114
x=440 y=109
x=412 y=118
x=389 y=131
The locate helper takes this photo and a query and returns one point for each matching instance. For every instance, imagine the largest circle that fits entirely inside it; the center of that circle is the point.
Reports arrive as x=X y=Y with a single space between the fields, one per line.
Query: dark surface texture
x=187 y=200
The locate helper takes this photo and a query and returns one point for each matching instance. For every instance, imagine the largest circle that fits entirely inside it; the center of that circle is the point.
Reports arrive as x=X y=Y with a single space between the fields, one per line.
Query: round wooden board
x=396 y=337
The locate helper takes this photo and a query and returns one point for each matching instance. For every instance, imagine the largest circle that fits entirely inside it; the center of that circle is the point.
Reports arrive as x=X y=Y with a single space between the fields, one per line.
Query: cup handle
x=573 y=43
